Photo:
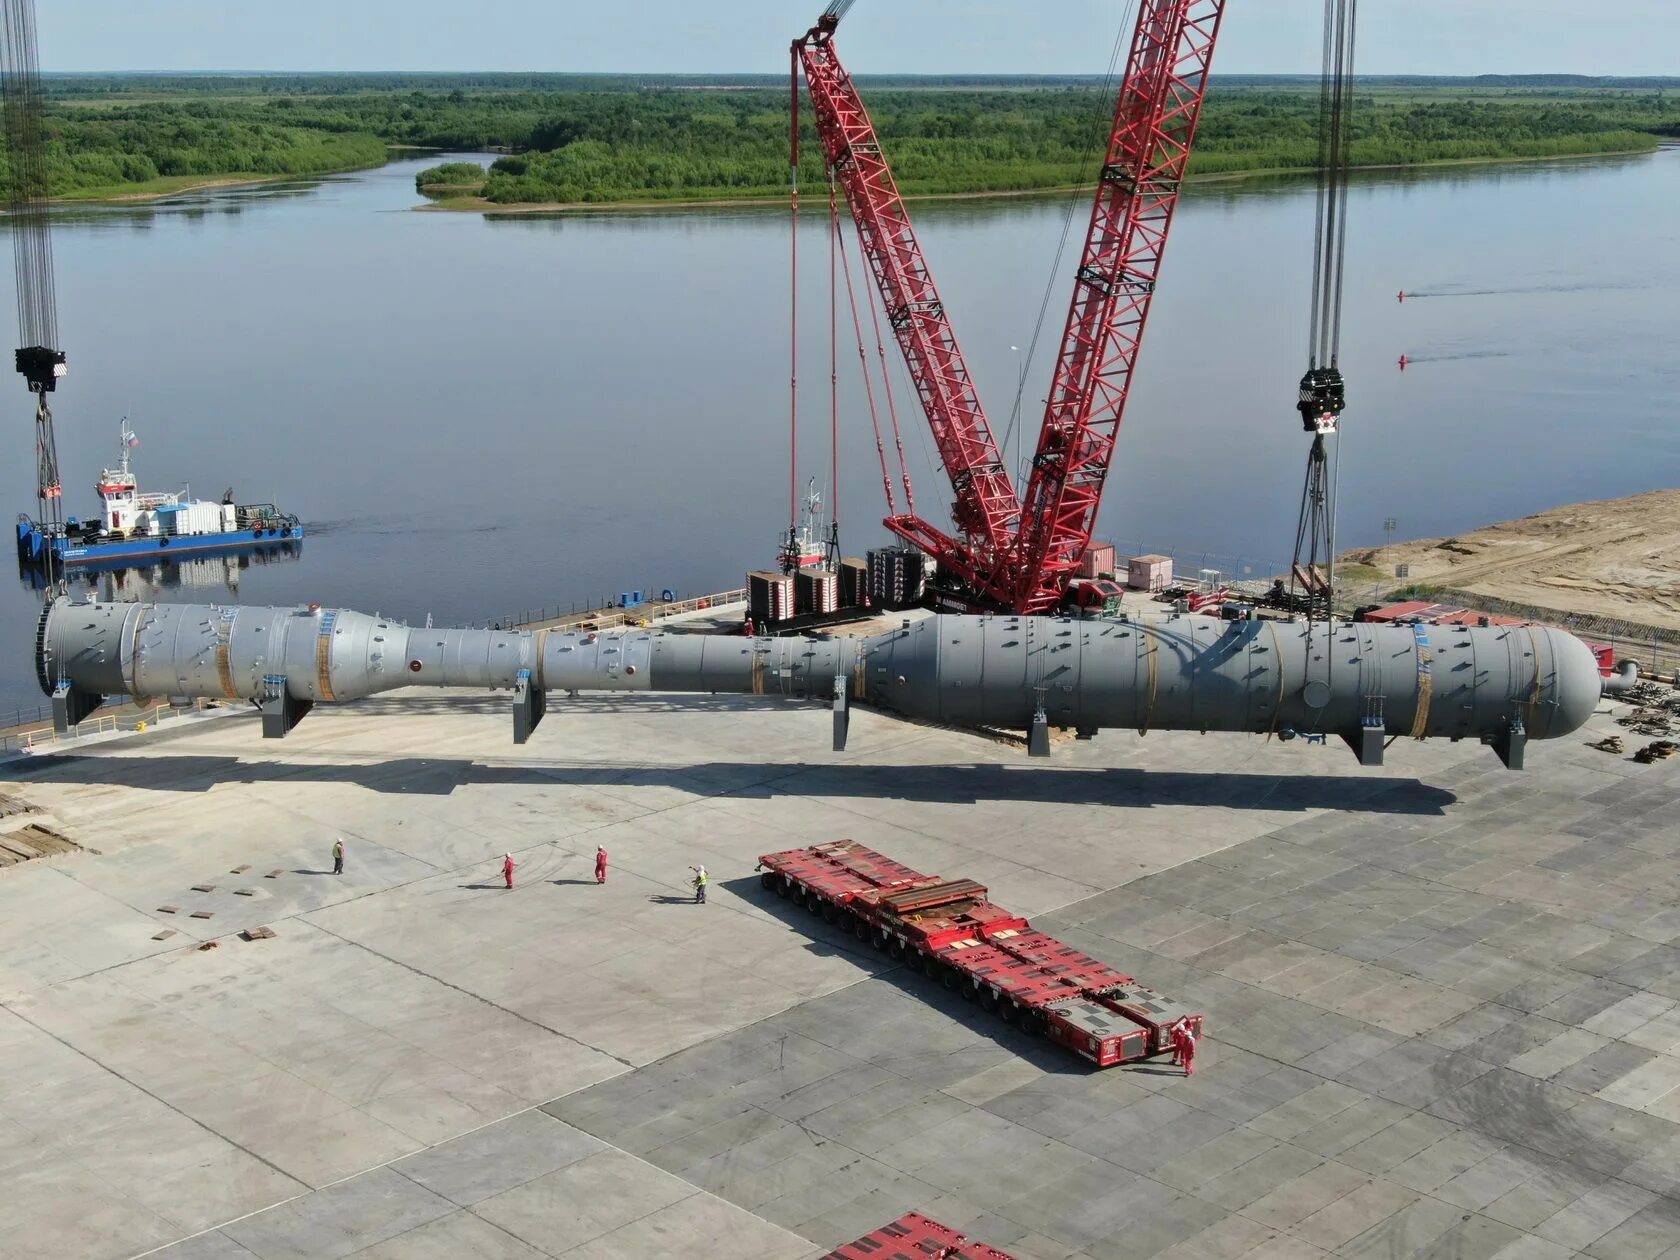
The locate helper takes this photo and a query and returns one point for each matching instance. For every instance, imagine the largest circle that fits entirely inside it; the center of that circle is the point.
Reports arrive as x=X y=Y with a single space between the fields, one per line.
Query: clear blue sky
x=881 y=36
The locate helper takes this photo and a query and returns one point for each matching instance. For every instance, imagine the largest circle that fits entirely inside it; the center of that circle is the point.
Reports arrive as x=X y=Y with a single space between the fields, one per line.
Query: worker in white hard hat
x=338 y=856
x=701 y=879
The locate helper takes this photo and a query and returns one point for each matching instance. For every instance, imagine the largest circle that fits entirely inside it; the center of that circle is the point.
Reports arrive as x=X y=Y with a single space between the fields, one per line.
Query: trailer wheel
x=988 y=1001
x=1033 y=1021
x=895 y=949
x=767 y=881
x=931 y=966
x=813 y=903
x=882 y=940
x=1008 y=1010
x=784 y=887
x=971 y=991
x=951 y=978
x=829 y=912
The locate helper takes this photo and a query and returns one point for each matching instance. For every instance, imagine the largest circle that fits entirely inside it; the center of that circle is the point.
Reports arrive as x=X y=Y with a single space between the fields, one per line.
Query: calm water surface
x=480 y=416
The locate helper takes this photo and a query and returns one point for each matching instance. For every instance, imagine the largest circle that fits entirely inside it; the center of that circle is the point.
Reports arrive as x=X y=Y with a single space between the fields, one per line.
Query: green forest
x=161 y=147
x=595 y=140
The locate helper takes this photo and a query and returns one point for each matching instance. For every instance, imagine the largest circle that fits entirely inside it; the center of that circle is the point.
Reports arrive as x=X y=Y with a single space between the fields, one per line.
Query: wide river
x=479 y=416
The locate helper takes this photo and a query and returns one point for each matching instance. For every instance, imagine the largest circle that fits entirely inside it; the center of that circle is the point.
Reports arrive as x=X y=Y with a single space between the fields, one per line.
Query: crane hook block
x=41 y=367
x=1322 y=399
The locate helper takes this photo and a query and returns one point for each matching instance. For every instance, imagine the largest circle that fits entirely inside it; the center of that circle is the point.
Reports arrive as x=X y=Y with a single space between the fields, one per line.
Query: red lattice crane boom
x=986 y=509
x=1148 y=150
x=1015 y=553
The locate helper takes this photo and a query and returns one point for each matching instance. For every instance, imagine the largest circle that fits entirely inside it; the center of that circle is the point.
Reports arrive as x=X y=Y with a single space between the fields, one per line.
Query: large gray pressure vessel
x=1365 y=683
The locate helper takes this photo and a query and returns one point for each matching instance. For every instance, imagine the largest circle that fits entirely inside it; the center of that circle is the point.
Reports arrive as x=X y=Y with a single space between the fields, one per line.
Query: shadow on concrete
x=941 y=784
x=497 y=704
x=503 y=887
x=672 y=899
x=301 y=871
x=591 y=883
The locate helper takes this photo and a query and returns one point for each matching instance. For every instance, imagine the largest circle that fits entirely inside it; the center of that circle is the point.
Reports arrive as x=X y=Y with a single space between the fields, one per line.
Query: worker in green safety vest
x=701 y=879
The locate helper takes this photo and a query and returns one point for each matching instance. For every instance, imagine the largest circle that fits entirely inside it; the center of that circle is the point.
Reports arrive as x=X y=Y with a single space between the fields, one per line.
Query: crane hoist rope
x=39 y=360
x=1092 y=154
x=1322 y=395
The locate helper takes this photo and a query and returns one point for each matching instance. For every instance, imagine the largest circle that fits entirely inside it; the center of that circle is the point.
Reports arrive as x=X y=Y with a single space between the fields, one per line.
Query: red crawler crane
x=1016 y=553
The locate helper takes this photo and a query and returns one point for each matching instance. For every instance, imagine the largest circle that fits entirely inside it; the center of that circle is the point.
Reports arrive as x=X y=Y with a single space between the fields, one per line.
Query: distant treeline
x=351 y=82
x=595 y=139
x=152 y=148
x=610 y=147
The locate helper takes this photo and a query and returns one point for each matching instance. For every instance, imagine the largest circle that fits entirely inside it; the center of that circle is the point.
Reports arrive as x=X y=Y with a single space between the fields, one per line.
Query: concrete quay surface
x=1443 y=998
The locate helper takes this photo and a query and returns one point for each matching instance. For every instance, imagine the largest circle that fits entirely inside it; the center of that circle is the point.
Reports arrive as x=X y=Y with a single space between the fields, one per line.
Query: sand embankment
x=1617 y=559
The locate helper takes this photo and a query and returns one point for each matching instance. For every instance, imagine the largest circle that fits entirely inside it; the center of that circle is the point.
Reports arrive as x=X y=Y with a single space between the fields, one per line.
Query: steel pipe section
x=1366 y=684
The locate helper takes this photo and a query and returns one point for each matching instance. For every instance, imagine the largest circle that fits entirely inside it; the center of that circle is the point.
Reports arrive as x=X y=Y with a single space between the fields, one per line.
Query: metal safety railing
x=608 y=616
x=20 y=715
x=38 y=738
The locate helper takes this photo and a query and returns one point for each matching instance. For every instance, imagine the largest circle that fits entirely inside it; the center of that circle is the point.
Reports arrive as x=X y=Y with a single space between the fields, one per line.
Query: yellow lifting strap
x=1425 y=680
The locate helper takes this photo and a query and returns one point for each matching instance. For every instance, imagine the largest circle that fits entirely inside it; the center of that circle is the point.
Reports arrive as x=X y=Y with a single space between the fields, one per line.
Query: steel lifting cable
x=863 y=363
x=1105 y=94
x=1335 y=116
x=871 y=297
x=793 y=308
x=26 y=144
x=1322 y=393
x=833 y=360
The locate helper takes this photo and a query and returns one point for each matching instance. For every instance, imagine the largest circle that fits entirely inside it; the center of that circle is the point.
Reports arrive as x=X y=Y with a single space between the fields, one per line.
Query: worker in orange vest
x=1187 y=1053
x=600 y=865
x=507 y=868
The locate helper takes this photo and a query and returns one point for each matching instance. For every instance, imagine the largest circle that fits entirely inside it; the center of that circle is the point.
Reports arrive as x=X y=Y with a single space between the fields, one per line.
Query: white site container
x=1149 y=573
x=198 y=517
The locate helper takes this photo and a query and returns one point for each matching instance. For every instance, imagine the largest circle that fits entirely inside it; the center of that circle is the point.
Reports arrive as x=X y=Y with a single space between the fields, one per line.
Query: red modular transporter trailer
x=916 y=1237
x=954 y=933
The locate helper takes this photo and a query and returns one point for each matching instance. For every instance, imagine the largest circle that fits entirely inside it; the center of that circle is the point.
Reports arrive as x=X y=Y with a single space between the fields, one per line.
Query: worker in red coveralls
x=600 y=865
x=507 y=868
x=1187 y=1047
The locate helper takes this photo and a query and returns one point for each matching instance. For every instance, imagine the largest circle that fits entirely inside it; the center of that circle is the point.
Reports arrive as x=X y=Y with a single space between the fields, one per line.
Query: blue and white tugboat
x=141 y=527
